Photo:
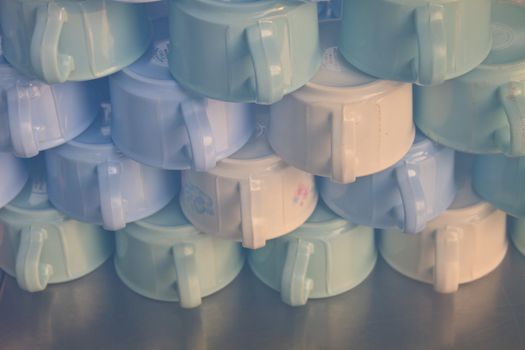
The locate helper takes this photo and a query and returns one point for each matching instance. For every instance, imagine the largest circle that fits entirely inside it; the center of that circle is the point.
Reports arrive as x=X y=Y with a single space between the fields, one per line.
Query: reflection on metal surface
x=387 y=311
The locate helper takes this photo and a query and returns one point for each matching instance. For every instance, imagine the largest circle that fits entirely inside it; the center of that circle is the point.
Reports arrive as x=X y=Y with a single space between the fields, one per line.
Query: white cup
x=343 y=124
x=251 y=196
x=460 y=246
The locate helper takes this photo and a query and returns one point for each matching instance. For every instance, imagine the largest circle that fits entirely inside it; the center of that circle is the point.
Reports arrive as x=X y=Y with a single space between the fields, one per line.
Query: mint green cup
x=325 y=257
x=243 y=50
x=482 y=112
x=72 y=40
x=41 y=246
x=163 y=257
x=517 y=233
x=420 y=41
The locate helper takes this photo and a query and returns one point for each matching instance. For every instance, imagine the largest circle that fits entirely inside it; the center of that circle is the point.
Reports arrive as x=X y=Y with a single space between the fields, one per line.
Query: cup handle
x=266 y=58
x=46 y=60
x=31 y=274
x=21 y=128
x=295 y=286
x=111 y=201
x=251 y=221
x=344 y=134
x=188 y=283
x=512 y=141
x=412 y=197
x=431 y=37
x=202 y=142
x=446 y=272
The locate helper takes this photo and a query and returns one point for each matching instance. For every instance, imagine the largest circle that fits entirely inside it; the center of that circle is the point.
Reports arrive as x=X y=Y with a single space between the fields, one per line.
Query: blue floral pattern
x=199 y=201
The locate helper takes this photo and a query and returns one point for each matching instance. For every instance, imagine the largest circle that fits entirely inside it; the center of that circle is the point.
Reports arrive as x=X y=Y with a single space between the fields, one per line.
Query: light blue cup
x=39 y=245
x=13 y=176
x=243 y=51
x=501 y=182
x=36 y=116
x=421 y=41
x=156 y=122
x=72 y=39
x=90 y=180
x=329 y=9
x=164 y=257
x=325 y=257
x=405 y=196
x=485 y=109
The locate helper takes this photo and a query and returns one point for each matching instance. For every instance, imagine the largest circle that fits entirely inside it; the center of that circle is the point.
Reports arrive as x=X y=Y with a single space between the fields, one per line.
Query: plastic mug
x=13 y=176
x=325 y=257
x=243 y=51
x=251 y=196
x=39 y=245
x=501 y=181
x=486 y=107
x=74 y=39
x=460 y=246
x=90 y=180
x=421 y=41
x=37 y=116
x=164 y=257
x=157 y=123
x=343 y=124
x=405 y=196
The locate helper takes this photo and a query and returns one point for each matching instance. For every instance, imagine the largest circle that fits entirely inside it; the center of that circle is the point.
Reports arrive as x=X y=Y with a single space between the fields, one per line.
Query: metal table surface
x=387 y=311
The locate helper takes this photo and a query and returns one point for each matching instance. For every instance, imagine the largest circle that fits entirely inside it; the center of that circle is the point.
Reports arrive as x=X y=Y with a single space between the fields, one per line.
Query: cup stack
x=179 y=136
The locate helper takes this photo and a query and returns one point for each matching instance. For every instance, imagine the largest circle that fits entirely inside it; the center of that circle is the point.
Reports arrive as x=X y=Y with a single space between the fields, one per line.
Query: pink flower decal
x=301 y=194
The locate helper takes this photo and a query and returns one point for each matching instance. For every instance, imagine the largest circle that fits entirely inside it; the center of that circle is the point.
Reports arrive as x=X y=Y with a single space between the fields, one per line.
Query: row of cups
x=246 y=51
x=165 y=257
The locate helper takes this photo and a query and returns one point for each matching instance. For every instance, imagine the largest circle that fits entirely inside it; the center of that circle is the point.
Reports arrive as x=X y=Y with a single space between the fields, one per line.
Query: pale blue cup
x=243 y=51
x=36 y=116
x=325 y=257
x=156 y=122
x=420 y=41
x=39 y=245
x=405 y=196
x=329 y=9
x=164 y=257
x=501 y=182
x=13 y=176
x=74 y=39
x=90 y=180
x=485 y=109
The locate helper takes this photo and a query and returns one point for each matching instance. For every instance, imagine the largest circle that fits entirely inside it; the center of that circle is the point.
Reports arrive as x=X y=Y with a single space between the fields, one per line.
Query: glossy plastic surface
x=90 y=180
x=486 y=107
x=243 y=51
x=164 y=257
x=406 y=196
x=326 y=256
x=72 y=40
x=157 y=123
x=419 y=41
